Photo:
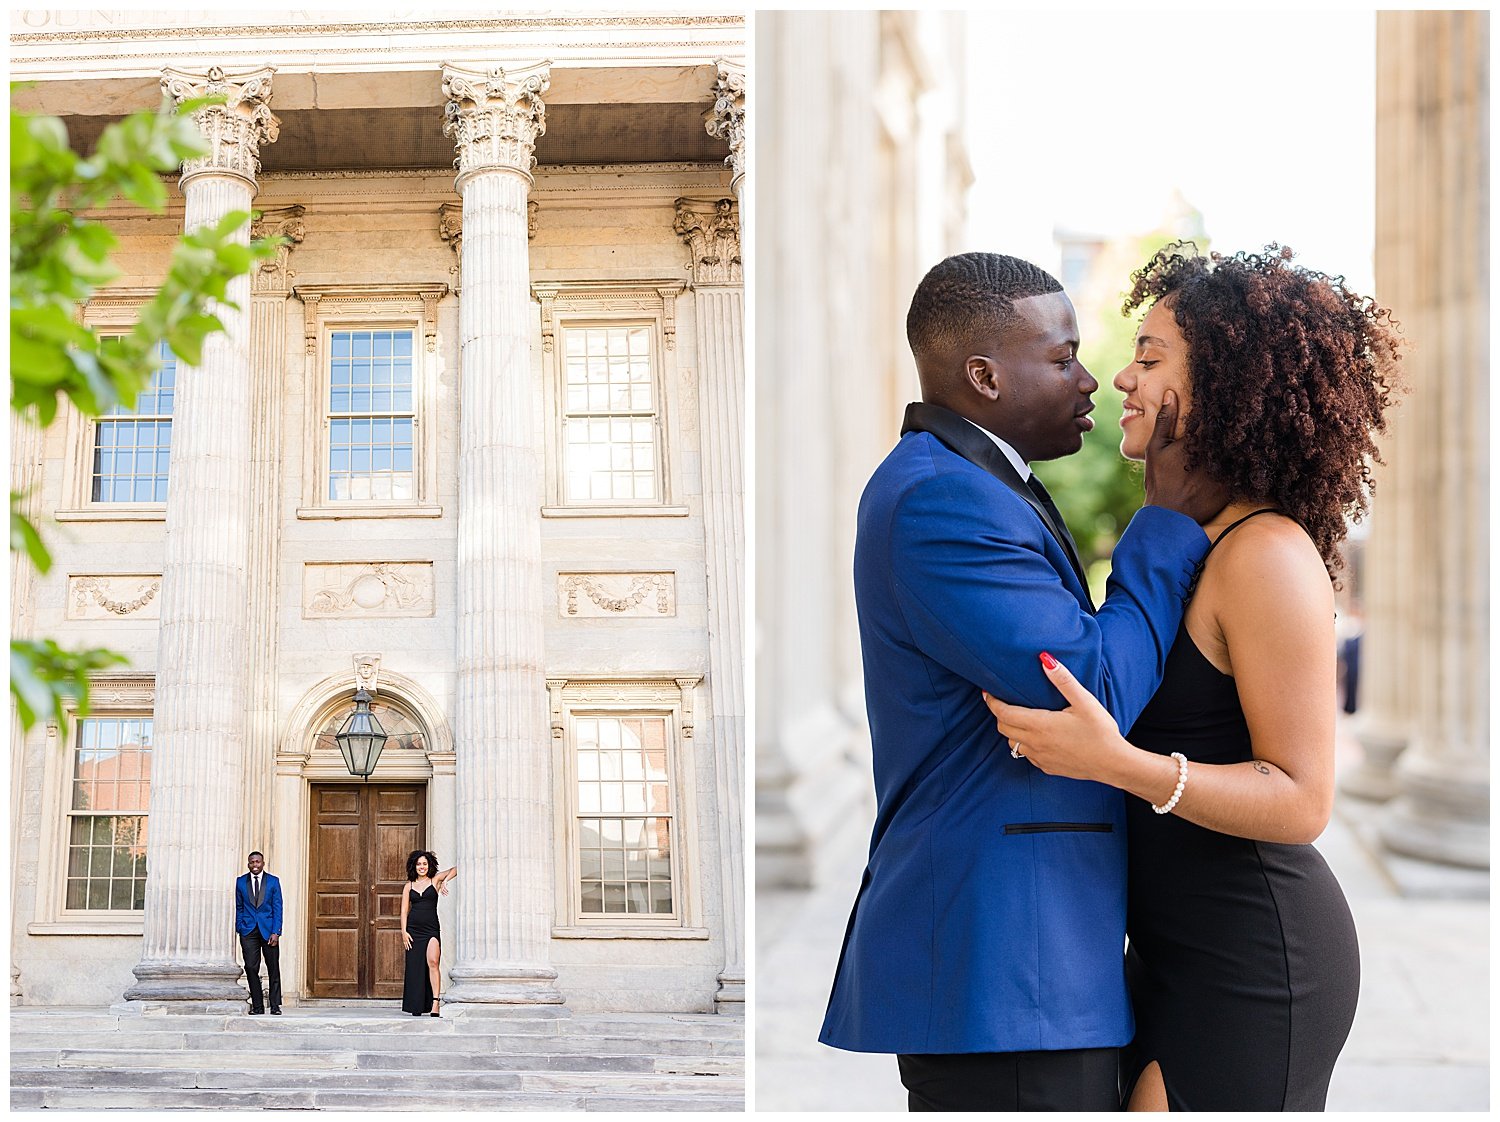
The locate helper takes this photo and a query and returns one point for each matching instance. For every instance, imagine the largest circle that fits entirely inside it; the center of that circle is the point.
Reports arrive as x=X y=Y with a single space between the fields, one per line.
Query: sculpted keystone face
x=1160 y=364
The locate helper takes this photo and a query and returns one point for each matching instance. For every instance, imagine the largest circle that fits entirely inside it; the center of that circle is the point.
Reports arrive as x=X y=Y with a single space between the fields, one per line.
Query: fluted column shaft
x=26 y=442
x=271 y=284
x=198 y=753
x=1386 y=653
x=504 y=898
x=721 y=398
x=1435 y=131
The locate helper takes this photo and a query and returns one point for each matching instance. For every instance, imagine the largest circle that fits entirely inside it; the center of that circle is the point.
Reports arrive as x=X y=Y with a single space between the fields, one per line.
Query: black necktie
x=255 y=889
x=1060 y=527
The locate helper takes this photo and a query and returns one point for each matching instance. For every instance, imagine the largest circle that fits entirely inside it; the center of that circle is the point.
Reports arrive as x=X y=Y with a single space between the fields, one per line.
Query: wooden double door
x=361 y=835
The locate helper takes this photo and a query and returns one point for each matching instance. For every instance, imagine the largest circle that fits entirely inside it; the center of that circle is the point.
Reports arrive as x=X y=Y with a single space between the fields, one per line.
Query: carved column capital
x=712 y=233
x=726 y=120
x=234 y=130
x=275 y=276
x=494 y=119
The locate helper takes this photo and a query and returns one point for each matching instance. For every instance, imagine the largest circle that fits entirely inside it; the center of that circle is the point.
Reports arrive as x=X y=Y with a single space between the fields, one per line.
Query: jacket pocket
x=1059 y=828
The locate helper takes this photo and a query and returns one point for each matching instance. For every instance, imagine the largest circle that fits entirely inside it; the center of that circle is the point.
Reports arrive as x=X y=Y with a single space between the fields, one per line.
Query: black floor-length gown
x=1243 y=962
x=421 y=925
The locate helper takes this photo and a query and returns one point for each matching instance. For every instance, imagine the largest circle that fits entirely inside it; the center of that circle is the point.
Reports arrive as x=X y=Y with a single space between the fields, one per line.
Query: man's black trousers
x=1076 y=1079
x=252 y=946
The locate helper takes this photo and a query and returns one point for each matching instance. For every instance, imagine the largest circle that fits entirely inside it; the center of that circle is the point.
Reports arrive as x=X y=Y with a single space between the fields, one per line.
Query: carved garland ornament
x=639 y=588
x=97 y=589
x=494 y=120
x=236 y=129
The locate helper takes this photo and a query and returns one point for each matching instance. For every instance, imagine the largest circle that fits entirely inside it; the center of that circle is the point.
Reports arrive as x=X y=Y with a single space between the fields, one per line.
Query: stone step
x=277 y=1080
x=342 y=1059
x=126 y=1059
x=419 y=1038
x=700 y=1025
x=105 y=1098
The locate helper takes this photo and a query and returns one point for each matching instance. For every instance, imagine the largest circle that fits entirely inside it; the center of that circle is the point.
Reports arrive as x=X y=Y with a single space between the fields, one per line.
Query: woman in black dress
x=1243 y=963
x=421 y=934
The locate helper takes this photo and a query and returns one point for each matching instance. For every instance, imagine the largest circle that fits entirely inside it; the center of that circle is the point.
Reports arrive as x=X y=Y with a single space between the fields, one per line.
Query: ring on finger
x=1015 y=751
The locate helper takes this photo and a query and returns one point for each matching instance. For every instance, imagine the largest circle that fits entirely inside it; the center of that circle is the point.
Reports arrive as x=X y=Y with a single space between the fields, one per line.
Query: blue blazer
x=247 y=917
x=991 y=914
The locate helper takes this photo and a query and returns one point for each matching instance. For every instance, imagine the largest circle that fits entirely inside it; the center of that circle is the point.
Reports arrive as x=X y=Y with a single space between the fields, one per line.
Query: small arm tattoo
x=1260 y=767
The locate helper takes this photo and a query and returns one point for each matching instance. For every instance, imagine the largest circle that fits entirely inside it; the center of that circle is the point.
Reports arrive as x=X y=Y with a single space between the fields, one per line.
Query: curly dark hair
x=411 y=863
x=969 y=290
x=1291 y=373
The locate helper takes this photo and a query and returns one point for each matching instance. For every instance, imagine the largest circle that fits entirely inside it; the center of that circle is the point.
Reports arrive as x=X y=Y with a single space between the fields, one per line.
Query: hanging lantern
x=361 y=738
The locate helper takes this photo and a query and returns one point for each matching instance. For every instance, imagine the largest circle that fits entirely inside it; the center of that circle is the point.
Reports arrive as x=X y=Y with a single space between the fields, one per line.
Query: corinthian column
x=500 y=726
x=1432 y=269
x=198 y=756
x=712 y=232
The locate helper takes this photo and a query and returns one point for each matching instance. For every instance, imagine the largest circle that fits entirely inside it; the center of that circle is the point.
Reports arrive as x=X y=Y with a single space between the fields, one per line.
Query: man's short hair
x=255 y=853
x=969 y=292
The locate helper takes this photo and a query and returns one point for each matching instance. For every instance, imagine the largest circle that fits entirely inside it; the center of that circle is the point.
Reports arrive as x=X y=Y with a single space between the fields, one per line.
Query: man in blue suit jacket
x=257 y=920
x=986 y=944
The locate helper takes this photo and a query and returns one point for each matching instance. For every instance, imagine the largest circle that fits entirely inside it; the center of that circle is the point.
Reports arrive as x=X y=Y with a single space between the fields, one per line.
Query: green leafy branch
x=59 y=256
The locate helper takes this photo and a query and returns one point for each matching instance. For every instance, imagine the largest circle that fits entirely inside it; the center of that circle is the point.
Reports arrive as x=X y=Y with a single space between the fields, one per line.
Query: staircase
x=320 y=1057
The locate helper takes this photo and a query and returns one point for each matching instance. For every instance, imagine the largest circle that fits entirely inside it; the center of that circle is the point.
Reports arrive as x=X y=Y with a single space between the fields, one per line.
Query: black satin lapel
x=973 y=445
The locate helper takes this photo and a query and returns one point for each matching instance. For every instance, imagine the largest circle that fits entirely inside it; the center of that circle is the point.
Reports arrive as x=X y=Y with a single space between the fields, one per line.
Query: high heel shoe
x=435 y=1008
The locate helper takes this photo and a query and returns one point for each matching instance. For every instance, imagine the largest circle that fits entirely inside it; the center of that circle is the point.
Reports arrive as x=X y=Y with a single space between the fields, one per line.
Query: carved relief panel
x=361 y=590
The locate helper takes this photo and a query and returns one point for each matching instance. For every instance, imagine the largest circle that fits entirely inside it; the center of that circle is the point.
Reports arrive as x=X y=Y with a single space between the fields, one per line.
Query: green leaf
x=26 y=538
x=43 y=677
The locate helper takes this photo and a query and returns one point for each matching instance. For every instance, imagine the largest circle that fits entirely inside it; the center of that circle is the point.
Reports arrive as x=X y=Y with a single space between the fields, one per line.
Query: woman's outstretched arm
x=445 y=875
x=1275 y=609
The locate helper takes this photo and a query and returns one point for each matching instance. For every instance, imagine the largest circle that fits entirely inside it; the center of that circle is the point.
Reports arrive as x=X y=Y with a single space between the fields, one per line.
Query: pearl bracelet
x=1181 y=783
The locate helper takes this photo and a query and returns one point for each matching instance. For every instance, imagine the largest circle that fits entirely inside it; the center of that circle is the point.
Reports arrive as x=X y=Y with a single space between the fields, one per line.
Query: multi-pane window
x=132 y=446
x=107 y=816
x=609 y=416
x=371 y=416
x=624 y=816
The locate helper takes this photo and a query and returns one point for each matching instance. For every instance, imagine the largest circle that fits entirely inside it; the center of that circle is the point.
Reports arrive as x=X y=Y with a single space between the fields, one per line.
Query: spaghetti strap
x=1198 y=569
x=1240 y=522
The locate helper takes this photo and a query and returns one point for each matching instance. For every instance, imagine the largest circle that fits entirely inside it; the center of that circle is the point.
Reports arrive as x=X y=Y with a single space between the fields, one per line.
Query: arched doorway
x=360 y=834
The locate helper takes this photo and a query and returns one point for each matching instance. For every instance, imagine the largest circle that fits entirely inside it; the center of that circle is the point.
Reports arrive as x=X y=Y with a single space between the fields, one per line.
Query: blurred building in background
x=859 y=140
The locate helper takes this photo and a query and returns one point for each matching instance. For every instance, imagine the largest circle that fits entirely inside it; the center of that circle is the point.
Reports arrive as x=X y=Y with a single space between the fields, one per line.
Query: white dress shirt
x=1021 y=466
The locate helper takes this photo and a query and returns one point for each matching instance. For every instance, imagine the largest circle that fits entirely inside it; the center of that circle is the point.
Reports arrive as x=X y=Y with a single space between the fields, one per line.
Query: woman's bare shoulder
x=1269 y=566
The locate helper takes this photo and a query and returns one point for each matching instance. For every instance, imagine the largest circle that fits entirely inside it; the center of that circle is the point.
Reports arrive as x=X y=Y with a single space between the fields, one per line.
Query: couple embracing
x=1051 y=776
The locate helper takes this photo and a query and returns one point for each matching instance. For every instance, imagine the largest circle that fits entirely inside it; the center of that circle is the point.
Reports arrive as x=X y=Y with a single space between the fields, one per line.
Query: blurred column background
x=859 y=141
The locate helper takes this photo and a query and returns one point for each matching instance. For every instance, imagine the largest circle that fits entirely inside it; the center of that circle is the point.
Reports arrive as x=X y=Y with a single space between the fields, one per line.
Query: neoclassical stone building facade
x=471 y=440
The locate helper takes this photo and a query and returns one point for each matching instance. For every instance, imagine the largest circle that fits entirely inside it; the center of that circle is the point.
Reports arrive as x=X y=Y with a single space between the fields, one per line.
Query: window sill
x=353 y=511
x=113 y=514
x=623 y=932
x=615 y=512
x=80 y=926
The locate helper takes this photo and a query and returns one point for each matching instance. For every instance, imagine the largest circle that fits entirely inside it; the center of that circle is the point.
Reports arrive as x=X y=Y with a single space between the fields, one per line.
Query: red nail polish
x=1048 y=661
